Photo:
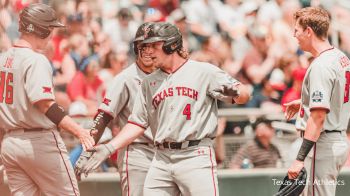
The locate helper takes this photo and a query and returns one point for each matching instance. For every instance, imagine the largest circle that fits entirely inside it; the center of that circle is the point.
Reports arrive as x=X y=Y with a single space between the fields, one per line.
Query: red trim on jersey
x=326 y=50
x=101 y=110
x=142 y=69
x=134 y=123
x=319 y=107
x=127 y=170
x=177 y=68
x=313 y=171
x=17 y=46
x=65 y=165
x=212 y=170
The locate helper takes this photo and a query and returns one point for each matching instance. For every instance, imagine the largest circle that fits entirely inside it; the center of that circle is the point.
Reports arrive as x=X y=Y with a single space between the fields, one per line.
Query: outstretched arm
x=57 y=116
x=127 y=135
x=101 y=121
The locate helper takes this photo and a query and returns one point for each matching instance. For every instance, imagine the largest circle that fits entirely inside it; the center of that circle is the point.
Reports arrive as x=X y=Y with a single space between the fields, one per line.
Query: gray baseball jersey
x=326 y=85
x=120 y=97
x=135 y=159
x=181 y=105
x=32 y=146
x=25 y=78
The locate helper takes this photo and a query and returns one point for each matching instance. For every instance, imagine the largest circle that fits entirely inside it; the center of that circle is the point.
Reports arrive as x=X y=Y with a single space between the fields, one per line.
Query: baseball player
x=324 y=106
x=32 y=151
x=179 y=104
x=135 y=159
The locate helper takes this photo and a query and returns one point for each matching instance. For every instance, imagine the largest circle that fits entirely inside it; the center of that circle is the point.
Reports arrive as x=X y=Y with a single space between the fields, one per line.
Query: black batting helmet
x=140 y=35
x=166 y=32
x=293 y=187
x=37 y=19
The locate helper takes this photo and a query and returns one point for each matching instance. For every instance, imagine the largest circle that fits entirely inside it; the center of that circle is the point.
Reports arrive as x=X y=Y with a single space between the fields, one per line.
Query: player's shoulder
x=125 y=75
x=129 y=71
x=202 y=66
x=329 y=58
x=29 y=58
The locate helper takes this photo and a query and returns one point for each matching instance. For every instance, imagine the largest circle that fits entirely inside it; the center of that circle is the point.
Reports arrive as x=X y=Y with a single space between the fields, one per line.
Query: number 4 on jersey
x=347 y=86
x=187 y=111
x=6 y=82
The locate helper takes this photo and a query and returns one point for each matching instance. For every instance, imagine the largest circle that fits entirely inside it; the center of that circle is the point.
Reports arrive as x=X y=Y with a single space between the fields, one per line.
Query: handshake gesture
x=91 y=159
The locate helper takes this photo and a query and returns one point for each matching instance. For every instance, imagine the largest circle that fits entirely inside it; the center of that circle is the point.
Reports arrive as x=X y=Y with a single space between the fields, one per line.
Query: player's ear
x=309 y=31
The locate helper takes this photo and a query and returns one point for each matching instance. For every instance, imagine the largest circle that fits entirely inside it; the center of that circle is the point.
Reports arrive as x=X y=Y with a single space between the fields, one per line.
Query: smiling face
x=154 y=52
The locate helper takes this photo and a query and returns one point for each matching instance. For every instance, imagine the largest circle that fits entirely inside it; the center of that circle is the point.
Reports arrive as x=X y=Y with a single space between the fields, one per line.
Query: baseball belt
x=179 y=145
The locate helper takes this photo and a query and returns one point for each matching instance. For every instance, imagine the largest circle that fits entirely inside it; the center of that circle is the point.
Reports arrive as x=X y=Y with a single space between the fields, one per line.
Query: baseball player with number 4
x=324 y=106
x=134 y=160
x=179 y=104
x=32 y=151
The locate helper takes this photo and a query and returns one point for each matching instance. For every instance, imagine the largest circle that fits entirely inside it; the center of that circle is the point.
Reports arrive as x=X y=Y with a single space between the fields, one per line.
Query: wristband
x=305 y=149
x=55 y=113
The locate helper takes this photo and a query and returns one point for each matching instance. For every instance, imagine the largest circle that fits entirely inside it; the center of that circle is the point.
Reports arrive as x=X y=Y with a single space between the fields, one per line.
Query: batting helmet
x=166 y=32
x=140 y=35
x=37 y=19
x=293 y=187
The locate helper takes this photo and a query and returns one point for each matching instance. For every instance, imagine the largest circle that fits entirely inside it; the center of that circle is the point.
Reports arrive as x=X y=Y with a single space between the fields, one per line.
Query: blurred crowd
x=250 y=39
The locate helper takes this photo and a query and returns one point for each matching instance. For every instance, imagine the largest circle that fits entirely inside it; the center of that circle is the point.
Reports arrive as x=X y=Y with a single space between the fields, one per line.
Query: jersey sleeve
x=116 y=97
x=139 y=115
x=218 y=80
x=38 y=82
x=321 y=83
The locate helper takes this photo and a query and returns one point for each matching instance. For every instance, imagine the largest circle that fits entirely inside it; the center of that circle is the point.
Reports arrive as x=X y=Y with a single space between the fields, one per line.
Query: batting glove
x=102 y=152
x=83 y=159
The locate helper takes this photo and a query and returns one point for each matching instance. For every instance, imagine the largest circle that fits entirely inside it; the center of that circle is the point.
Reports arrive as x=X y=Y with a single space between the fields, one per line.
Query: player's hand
x=86 y=139
x=83 y=159
x=231 y=91
x=295 y=169
x=292 y=108
x=101 y=153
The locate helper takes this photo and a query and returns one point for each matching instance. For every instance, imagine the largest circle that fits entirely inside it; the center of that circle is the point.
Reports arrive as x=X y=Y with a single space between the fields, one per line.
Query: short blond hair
x=316 y=18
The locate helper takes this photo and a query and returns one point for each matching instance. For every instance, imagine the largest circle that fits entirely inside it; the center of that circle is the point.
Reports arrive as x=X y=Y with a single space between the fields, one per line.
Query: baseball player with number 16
x=32 y=151
x=179 y=104
x=324 y=106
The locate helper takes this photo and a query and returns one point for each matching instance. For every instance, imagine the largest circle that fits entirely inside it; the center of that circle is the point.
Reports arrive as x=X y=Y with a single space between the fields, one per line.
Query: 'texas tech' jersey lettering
x=179 y=91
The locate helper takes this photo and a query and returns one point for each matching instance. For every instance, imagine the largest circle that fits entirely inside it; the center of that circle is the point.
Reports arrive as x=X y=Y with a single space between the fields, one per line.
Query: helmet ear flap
x=170 y=47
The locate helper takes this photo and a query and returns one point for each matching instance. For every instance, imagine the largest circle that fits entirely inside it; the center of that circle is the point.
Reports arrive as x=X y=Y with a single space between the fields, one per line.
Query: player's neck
x=320 y=47
x=175 y=62
x=28 y=42
x=144 y=68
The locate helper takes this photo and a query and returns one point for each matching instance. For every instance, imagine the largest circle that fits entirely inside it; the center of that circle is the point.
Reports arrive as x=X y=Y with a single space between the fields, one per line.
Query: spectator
x=164 y=6
x=86 y=86
x=178 y=17
x=203 y=15
x=121 y=29
x=115 y=63
x=80 y=50
x=294 y=92
x=260 y=153
x=262 y=57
